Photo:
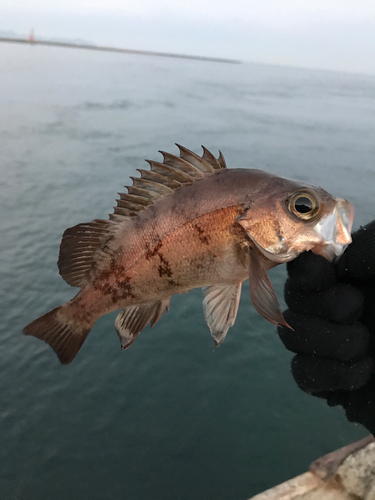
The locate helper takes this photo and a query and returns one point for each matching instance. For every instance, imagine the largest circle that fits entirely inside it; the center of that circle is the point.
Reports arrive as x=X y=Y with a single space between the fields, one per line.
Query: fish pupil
x=303 y=205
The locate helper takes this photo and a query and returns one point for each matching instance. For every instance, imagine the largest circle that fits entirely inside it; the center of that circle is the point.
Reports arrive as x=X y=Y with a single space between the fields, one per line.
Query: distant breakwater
x=116 y=49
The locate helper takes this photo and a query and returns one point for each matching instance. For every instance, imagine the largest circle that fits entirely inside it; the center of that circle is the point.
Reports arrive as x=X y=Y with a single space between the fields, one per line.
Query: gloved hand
x=332 y=312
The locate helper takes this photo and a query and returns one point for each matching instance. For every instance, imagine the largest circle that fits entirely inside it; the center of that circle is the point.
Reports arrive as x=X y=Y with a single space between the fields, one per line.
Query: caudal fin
x=62 y=334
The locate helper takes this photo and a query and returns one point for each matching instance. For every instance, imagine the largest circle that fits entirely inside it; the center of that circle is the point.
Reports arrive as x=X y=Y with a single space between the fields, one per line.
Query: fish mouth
x=334 y=231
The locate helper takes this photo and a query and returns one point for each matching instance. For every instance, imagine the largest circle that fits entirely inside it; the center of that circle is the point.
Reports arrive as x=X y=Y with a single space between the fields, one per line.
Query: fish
x=189 y=222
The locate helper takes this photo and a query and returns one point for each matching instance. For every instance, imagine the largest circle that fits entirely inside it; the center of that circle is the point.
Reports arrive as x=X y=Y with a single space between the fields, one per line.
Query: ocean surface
x=172 y=417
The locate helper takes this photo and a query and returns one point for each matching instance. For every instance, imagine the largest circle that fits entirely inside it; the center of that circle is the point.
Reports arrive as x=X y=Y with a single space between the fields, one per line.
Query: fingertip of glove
x=311 y=272
x=340 y=303
x=358 y=260
x=314 y=375
x=319 y=337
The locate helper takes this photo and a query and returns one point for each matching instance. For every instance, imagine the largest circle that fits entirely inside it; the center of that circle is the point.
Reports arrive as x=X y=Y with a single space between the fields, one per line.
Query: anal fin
x=131 y=320
x=220 y=306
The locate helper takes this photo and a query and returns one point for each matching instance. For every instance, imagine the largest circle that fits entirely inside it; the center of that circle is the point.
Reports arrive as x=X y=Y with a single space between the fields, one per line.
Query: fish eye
x=304 y=205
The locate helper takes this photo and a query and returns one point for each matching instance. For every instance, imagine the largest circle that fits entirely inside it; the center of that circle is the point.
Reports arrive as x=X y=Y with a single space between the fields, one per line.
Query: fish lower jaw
x=280 y=256
x=331 y=251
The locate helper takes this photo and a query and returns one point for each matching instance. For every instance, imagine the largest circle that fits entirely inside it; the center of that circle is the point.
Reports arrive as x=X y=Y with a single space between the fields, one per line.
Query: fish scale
x=204 y=250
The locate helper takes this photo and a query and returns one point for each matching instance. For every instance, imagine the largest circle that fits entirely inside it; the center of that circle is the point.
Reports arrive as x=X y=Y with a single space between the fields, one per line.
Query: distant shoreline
x=115 y=49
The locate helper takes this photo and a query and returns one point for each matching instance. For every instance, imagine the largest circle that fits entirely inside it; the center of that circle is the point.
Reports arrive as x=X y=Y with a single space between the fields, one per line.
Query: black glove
x=332 y=312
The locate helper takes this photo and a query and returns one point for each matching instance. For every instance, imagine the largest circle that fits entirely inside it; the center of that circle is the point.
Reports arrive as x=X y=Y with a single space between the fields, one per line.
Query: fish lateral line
x=158 y=243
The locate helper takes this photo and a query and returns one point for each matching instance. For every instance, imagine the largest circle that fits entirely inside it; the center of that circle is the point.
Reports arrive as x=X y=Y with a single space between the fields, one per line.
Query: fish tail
x=62 y=332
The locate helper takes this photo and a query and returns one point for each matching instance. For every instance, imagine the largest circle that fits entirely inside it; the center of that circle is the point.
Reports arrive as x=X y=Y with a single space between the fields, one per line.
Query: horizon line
x=104 y=48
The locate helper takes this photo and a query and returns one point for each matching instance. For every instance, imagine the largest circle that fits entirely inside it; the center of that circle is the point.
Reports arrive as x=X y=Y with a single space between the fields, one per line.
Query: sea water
x=172 y=417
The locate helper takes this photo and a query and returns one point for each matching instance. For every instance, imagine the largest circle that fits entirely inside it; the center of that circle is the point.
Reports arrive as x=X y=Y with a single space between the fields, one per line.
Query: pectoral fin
x=131 y=320
x=262 y=294
x=220 y=306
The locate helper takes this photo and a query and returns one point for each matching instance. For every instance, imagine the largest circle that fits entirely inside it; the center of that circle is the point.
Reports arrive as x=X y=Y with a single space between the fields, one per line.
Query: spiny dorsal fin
x=198 y=162
x=209 y=157
x=221 y=160
x=170 y=172
x=182 y=165
x=78 y=249
x=163 y=178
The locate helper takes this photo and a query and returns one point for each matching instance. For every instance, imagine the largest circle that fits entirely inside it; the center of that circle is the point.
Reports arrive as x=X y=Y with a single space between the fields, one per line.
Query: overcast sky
x=327 y=34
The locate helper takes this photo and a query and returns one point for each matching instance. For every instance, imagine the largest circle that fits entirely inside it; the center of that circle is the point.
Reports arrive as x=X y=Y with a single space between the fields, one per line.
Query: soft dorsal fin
x=78 y=249
x=163 y=178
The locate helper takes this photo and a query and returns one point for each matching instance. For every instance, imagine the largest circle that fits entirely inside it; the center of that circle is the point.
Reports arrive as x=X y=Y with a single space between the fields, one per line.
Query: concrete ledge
x=345 y=474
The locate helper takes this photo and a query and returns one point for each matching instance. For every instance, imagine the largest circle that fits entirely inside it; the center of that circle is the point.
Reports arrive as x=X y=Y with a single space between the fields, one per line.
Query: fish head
x=287 y=218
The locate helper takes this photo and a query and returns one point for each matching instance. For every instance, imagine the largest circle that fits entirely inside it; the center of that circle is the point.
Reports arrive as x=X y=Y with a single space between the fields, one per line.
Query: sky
x=324 y=34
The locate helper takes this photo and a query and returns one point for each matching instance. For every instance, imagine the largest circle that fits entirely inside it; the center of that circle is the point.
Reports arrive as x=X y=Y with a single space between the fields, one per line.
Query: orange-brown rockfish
x=189 y=222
